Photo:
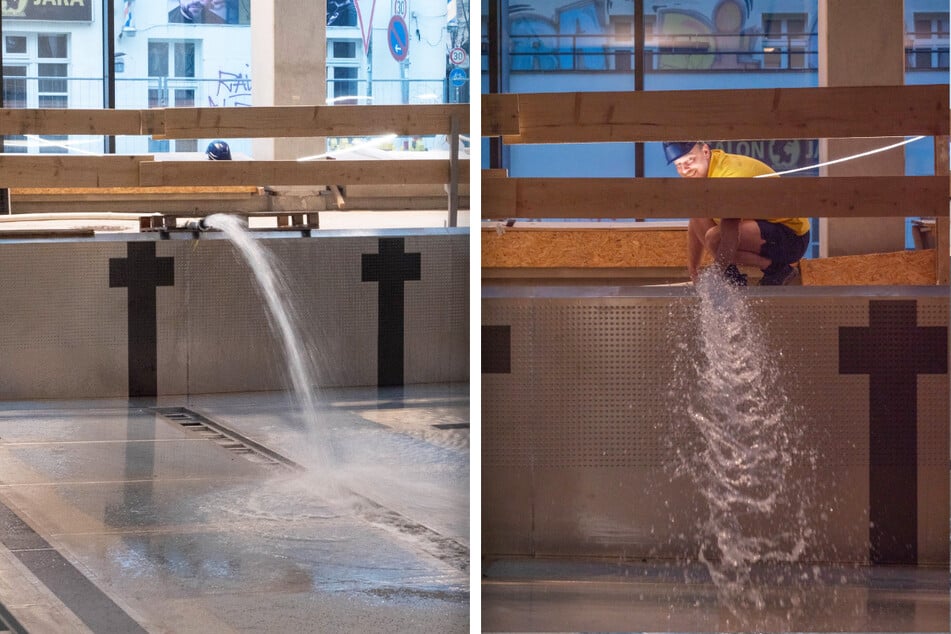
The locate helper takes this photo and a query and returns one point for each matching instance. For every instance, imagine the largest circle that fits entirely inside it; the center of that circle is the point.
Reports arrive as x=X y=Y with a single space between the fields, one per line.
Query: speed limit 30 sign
x=458 y=56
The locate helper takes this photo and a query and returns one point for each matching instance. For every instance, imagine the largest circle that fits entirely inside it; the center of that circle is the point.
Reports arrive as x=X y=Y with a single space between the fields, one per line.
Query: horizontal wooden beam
x=71 y=121
x=714 y=115
x=29 y=170
x=175 y=173
x=866 y=196
x=500 y=115
x=313 y=121
x=253 y=122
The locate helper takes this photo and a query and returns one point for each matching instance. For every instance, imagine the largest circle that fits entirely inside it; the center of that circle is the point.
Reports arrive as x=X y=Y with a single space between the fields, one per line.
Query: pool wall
x=156 y=314
x=577 y=413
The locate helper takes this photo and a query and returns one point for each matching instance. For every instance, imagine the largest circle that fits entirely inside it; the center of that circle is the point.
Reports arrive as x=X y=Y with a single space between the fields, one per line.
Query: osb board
x=620 y=248
x=902 y=267
x=594 y=248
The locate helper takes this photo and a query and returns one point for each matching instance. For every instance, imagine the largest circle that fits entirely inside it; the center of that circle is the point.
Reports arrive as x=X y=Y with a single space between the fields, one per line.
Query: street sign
x=365 y=25
x=458 y=77
x=397 y=37
x=457 y=56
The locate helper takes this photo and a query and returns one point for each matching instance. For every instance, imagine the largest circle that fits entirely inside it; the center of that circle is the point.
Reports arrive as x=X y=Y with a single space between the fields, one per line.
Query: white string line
x=844 y=159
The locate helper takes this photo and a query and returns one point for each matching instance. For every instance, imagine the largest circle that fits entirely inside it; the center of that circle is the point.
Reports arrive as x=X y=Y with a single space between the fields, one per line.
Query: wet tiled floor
x=525 y=595
x=116 y=517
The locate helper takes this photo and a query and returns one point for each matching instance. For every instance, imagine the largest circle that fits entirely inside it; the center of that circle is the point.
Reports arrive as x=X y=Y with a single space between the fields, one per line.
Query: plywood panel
x=605 y=248
x=903 y=267
x=783 y=113
x=877 y=196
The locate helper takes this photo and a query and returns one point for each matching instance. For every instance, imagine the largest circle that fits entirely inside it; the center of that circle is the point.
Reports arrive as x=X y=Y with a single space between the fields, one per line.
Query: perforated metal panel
x=64 y=329
x=575 y=436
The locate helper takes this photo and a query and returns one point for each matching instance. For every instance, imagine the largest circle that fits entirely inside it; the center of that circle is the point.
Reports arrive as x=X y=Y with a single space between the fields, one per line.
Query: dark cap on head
x=674 y=151
x=218 y=151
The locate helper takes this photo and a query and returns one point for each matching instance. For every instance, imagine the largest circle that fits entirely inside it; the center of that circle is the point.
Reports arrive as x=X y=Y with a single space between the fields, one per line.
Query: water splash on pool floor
x=738 y=441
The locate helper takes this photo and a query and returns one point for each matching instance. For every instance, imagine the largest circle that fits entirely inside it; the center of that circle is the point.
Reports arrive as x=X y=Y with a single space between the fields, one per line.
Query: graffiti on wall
x=552 y=35
x=233 y=88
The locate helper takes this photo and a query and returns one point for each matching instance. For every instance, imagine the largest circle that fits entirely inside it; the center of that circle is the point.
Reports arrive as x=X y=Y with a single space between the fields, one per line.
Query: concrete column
x=861 y=43
x=289 y=67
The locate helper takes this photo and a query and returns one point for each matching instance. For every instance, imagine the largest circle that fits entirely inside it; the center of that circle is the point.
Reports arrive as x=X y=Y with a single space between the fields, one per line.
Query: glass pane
x=158 y=59
x=51 y=46
x=53 y=101
x=345 y=84
x=344 y=50
x=184 y=59
x=341 y=13
x=15 y=45
x=14 y=88
x=158 y=97
x=52 y=85
x=184 y=98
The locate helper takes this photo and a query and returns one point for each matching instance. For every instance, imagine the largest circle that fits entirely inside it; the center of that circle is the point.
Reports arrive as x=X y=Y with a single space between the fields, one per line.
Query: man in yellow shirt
x=771 y=245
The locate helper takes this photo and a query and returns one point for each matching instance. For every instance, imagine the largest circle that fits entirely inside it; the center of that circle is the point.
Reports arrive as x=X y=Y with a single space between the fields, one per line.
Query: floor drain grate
x=226 y=438
x=444 y=548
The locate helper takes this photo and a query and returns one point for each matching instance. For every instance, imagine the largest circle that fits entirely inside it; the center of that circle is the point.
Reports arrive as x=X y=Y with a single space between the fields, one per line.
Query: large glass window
x=785 y=41
x=397 y=52
x=929 y=42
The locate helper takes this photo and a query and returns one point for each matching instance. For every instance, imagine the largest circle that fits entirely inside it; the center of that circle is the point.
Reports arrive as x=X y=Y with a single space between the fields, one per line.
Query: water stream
x=740 y=445
x=285 y=323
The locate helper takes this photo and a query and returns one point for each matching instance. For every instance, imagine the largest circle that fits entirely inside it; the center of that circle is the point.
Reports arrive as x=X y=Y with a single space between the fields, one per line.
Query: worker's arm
x=694 y=253
x=729 y=241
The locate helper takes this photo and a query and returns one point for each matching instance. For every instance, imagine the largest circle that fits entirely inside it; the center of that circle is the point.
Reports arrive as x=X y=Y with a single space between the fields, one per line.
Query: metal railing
x=693 y=52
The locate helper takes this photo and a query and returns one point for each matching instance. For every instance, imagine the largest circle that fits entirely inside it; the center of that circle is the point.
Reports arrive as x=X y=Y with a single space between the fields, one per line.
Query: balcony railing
x=694 y=52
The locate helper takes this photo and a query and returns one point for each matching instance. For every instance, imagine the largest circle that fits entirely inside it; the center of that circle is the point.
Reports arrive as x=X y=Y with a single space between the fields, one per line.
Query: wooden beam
x=71 y=121
x=30 y=170
x=867 y=196
x=942 y=167
x=312 y=121
x=454 y=172
x=500 y=115
x=175 y=173
x=712 y=115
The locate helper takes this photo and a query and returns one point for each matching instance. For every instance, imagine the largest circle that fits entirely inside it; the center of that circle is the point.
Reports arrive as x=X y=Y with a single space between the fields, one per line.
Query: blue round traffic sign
x=458 y=77
x=397 y=37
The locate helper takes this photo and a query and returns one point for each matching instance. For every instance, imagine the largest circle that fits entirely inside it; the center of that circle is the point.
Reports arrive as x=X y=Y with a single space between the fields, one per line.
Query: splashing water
x=739 y=443
x=284 y=323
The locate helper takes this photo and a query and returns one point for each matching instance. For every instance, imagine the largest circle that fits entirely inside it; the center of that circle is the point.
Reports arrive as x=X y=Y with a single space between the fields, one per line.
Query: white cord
x=844 y=159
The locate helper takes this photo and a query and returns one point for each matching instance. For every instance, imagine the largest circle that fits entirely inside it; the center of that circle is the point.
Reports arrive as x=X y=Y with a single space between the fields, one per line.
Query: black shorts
x=782 y=245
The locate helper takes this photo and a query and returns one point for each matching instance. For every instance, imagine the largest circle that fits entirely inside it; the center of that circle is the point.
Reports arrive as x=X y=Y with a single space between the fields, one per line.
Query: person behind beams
x=771 y=245
x=218 y=151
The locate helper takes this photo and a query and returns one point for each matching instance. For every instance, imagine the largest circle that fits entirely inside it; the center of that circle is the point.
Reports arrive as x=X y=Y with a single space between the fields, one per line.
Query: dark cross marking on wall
x=496 y=349
x=391 y=267
x=142 y=273
x=893 y=350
